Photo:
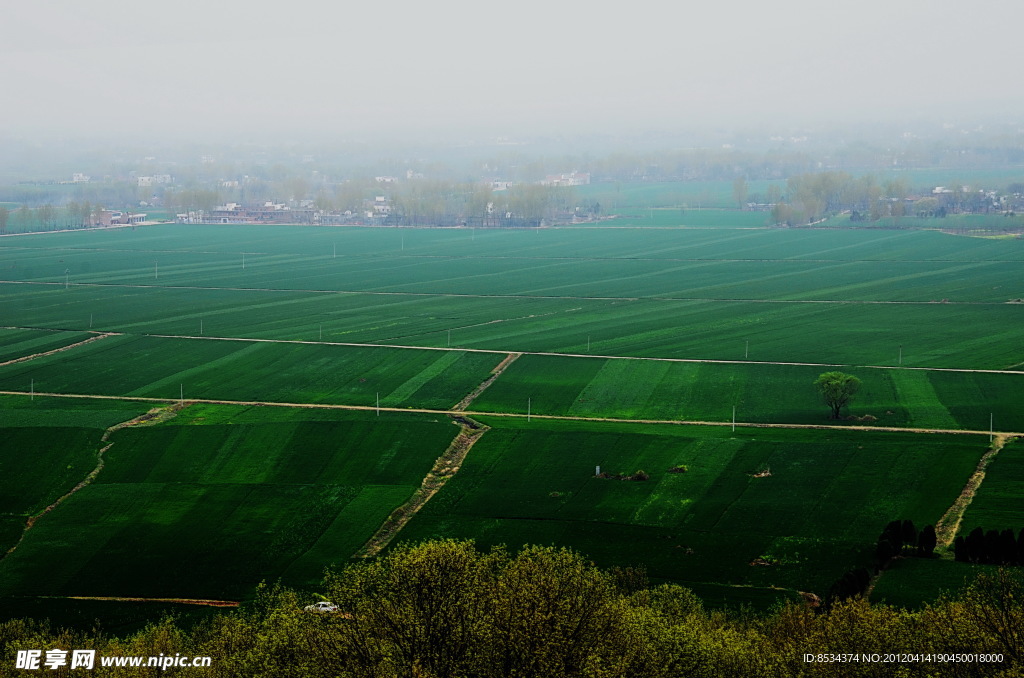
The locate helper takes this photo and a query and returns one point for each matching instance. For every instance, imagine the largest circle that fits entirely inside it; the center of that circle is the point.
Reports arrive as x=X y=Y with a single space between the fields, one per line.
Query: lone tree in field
x=837 y=389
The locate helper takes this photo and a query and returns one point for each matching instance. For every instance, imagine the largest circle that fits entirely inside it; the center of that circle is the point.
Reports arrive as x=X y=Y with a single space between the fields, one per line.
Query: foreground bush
x=444 y=609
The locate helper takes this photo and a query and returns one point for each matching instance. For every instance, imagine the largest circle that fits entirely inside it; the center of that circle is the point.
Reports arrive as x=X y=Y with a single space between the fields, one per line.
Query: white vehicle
x=322 y=606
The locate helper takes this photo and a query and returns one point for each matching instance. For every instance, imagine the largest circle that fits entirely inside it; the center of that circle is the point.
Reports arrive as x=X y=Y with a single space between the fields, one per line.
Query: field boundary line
x=949 y=524
x=711 y=361
x=155 y=415
x=495 y=373
x=26 y=358
x=520 y=415
x=445 y=467
x=554 y=297
x=131 y=599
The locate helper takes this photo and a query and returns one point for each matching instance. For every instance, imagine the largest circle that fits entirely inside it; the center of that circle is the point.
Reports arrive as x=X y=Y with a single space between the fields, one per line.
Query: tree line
x=990 y=547
x=445 y=608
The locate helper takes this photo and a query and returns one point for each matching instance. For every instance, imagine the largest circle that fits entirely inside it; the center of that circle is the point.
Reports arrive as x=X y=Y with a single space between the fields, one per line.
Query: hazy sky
x=261 y=69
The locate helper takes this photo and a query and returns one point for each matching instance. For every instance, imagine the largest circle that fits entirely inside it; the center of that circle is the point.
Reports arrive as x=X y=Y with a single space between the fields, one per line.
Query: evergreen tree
x=909 y=533
x=959 y=550
x=1007 y=548
x=927 y=541
x=975 y=545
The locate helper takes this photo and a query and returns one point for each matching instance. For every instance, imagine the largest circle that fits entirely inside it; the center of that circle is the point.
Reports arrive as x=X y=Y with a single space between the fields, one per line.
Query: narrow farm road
x=25 y=358
x=495 y=373
x=949 y=523
x=583 y=355
x=517 y=415
x=445 y=467
x=182 y=601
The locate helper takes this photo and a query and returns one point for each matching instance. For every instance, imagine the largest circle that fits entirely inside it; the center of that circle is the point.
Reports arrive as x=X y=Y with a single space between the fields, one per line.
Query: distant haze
x=222 y=68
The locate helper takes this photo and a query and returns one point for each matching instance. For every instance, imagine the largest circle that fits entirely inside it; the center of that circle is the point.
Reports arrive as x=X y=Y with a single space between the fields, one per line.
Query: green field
x=914 y=582
x=17 y=343
x=244 y=370
x=236 y=495
x=796 y=296
x=817 y=515
x=655 y=389
x=232 y=504
x=997 y=504
x=688 y=218
x=48 y=449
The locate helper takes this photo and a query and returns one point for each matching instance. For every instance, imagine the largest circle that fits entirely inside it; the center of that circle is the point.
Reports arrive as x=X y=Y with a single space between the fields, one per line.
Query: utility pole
x=733 y=418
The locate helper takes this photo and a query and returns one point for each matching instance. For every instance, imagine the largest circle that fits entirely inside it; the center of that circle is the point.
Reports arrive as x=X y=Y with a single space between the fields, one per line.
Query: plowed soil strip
x=24 y=358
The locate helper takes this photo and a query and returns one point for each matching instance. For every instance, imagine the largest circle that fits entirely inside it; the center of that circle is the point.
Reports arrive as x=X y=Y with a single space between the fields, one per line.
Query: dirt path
x=581 y=355
x=495 y=373
x=181 y=601
x=949 y=523
x=446 y=466
x=25 y=358
x=155 y=415
x=518 y=415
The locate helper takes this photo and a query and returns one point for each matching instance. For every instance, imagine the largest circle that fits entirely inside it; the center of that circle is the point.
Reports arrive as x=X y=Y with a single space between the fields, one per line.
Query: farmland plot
x=17 y=343
x=997 y=504
x=816 y=516
x=232 y=504
x=243 y=370
x=652 y=389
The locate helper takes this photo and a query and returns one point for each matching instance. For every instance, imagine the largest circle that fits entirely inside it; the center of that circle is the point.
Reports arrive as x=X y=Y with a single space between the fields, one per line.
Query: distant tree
x=837 y=389
x=5 y=216
x=926 y=207
x=46 y=215
x=739 y=191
